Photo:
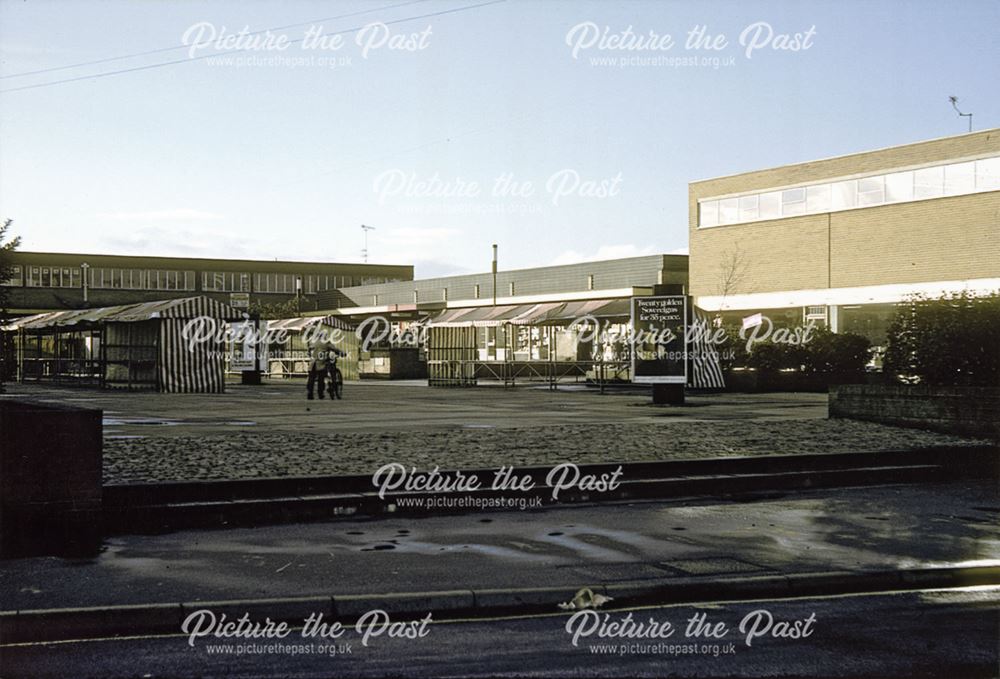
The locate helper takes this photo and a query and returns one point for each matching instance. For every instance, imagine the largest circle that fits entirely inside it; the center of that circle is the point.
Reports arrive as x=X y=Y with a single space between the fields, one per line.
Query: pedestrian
x=323 y=356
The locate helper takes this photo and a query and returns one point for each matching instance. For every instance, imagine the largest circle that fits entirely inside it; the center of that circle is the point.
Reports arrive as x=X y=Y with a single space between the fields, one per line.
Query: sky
x=561 y=130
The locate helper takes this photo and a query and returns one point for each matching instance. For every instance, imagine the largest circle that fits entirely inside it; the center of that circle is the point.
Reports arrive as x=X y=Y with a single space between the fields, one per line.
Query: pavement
x=272 y=431
x=848 y=539
x=280 y=406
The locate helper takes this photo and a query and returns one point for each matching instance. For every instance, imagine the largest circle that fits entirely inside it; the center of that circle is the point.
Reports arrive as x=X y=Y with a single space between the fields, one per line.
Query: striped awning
x=303 y=322
x=547 y=313
x=184 y=307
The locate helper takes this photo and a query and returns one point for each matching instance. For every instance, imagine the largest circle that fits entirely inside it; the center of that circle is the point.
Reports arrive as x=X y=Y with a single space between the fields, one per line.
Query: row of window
x=155 y=279
x=227 y=281
x=100 y=278
x=895 y=187
x=476 y=291
x=139 y=279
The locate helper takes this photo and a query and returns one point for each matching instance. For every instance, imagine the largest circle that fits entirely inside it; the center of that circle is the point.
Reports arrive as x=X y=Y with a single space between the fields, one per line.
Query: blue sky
x=286 y=160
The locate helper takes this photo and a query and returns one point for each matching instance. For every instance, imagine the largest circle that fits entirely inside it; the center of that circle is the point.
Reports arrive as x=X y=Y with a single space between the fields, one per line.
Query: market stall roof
x=549 y=313
x=301 y=323
x=184 y=307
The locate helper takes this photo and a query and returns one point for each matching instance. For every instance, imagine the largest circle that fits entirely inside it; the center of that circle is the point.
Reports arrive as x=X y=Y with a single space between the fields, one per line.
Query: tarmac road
x=842 y=529
x=943 y=633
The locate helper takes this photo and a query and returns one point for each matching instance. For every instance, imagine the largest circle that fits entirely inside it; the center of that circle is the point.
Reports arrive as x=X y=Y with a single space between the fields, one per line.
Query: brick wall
x=50 y=477
x=954 y=410
x=948 y=238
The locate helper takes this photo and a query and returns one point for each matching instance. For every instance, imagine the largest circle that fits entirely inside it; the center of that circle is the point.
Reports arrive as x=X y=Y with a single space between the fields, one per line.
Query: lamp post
x=364 y=252
x=494 y=274
x=85 y=267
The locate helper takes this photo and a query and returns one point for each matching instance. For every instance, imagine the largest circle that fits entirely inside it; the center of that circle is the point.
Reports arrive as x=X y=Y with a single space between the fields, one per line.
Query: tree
x=951 y=341
x=732 y=272
x=287 y=309
x=7 y=248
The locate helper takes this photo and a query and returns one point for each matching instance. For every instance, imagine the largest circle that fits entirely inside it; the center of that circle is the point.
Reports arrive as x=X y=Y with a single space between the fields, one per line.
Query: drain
x=712 y=566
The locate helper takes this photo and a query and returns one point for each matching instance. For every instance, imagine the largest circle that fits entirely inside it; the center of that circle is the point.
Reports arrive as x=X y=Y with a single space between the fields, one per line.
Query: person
x=323 y=355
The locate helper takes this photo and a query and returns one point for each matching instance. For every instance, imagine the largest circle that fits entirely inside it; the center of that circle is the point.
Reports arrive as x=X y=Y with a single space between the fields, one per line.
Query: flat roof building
x=44 y=281
x=842 y=239
x=608 y=279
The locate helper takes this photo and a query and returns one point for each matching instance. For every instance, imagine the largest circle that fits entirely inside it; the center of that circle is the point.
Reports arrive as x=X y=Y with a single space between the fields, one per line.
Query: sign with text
x=243 y=354
x=659 y=349
x=239 y=300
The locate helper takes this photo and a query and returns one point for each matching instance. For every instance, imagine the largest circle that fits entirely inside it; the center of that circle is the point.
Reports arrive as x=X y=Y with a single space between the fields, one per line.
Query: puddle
x=121 y=421
x=241 y=423
x=479 y=426
x=378 y=548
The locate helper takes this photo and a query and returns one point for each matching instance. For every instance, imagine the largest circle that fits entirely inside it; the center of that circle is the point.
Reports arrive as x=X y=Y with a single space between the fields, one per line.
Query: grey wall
x=609 y=274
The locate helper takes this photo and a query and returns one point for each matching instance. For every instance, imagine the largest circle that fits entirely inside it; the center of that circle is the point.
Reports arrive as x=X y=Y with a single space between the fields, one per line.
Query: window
x=793 y=202
x=444 y=294
x=729 y=210
x=928 y=183
x=476 y=291
x=950 y=179
x=770 y=205
x=16 y=276
x=871 y=191
x=225 y=281
x=590 y=281
x=959 y=178
x=988 y=174
x=156 y=279
x=898 y=187
x=416 y=296
x=844 y=195
x=510 y=288
x=710 y=213
x=818 y=198
x=374 y=300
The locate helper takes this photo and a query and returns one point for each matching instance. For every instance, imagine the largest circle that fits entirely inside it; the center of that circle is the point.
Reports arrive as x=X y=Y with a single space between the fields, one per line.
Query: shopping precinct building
x=842 y=240
x=58 y=281
x=838 y=241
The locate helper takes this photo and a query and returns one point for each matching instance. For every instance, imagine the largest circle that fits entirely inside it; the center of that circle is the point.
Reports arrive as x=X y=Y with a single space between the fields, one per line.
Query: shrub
x=774 y=356
x=952 y=341
x=837 y=353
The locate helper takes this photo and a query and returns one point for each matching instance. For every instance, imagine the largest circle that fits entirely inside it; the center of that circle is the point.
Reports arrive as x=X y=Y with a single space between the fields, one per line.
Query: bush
x=837 y=353
x=952 y=341
x=774 y=356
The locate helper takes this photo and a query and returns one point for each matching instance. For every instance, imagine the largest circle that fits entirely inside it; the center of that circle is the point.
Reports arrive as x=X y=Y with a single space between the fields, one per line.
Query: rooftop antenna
x=954 y=104
x=364 y=251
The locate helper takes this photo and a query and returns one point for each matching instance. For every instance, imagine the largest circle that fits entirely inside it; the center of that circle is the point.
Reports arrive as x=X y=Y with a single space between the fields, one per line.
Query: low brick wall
x=971 y=411
x=50 y=478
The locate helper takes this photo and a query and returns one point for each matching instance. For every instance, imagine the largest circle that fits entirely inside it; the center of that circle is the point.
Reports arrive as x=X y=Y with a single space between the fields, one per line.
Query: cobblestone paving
x=250 y=455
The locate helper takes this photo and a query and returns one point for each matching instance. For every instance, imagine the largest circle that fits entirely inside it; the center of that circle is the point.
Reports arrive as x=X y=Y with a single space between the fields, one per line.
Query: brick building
x=841 y=240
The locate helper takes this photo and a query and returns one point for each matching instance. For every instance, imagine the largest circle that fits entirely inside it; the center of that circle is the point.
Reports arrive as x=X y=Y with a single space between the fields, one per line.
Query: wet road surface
x=884 y=527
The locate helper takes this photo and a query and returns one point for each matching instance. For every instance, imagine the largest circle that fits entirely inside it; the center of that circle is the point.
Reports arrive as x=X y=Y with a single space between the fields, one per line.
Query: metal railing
x=468 y=372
